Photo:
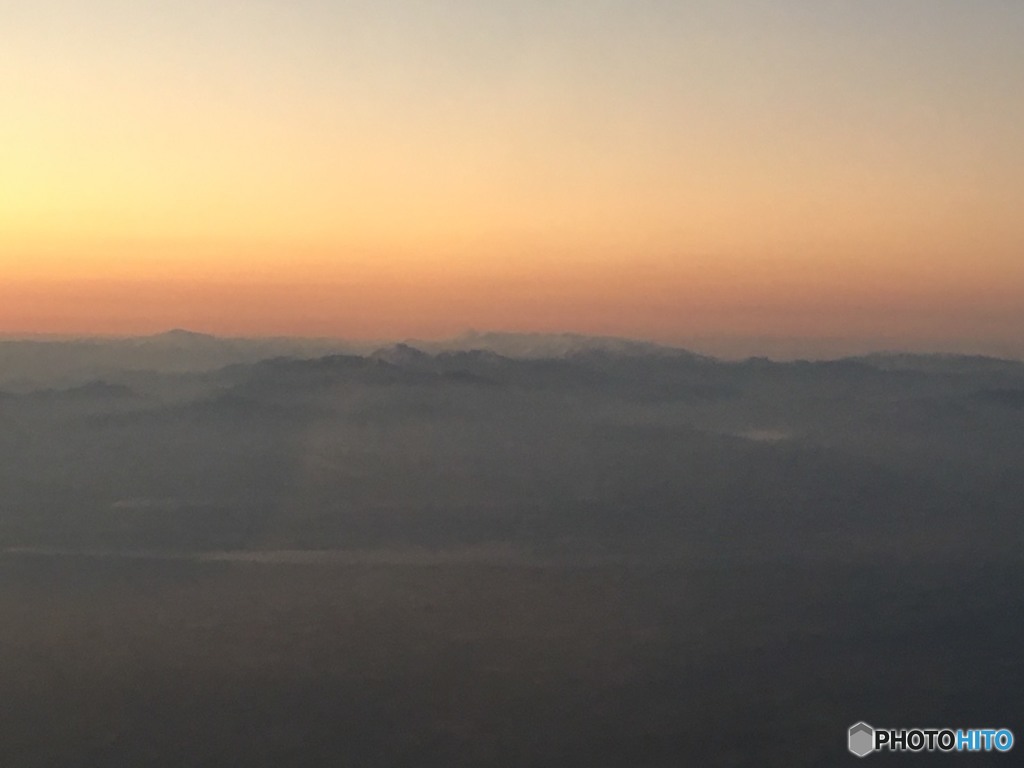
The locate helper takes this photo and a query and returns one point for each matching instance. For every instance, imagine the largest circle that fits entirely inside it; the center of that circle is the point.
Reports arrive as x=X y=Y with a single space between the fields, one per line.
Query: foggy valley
x=546 y=550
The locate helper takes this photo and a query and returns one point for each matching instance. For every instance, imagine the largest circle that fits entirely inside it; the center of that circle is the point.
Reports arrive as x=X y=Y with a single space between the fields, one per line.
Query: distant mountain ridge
x=27 y=364
x=32 y=364
x=938 y=362
x=548 y=345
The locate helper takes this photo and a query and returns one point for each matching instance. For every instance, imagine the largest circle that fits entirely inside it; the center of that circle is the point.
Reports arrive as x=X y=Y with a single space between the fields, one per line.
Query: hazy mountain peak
x=548 y=345
x=401 y=354
x=182 y=334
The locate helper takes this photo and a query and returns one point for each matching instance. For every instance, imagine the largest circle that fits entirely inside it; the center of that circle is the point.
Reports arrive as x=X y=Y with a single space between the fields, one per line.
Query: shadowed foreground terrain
x=626 y=556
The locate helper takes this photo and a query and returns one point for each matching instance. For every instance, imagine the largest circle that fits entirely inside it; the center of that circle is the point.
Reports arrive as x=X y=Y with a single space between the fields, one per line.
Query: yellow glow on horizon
x=600 y=170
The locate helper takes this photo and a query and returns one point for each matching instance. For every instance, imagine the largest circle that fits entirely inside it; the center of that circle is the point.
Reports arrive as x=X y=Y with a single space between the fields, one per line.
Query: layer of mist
x=504 y=550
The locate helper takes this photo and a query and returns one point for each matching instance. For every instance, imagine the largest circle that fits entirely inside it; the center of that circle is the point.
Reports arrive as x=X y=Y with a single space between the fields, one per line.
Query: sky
x=382 y=169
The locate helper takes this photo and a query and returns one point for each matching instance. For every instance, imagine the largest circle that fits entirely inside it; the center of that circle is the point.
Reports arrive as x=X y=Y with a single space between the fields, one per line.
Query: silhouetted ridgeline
x=602 y=445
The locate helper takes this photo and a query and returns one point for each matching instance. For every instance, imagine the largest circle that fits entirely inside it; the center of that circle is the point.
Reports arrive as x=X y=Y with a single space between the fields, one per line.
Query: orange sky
x=378 y=170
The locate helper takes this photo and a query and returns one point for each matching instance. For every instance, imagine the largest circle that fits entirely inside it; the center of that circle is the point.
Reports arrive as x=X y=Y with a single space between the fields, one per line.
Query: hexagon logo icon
x=861 y=739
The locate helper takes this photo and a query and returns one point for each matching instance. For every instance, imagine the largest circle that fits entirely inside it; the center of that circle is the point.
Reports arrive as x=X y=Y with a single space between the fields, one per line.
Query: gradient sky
x=655 y=168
